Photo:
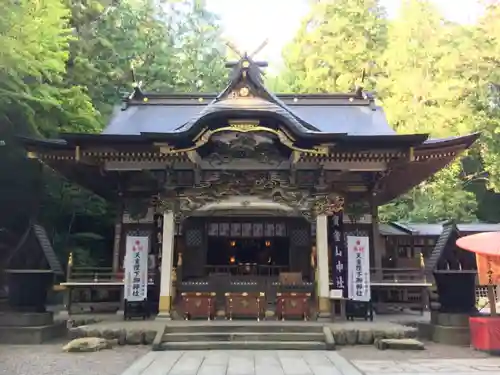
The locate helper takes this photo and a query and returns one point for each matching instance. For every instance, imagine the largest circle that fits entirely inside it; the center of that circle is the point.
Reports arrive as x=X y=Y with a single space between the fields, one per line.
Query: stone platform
x=202 y=334
x=446 y=328
x=29 y=328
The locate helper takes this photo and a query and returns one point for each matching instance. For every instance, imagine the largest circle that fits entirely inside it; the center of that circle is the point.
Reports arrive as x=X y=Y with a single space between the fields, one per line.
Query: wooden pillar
x=117 y=242
x=377 y=244
x=167 y=262
x=323 y=282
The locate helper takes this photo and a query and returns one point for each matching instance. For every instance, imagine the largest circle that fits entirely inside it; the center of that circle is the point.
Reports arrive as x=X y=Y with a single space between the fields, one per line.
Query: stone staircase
x=244 y=335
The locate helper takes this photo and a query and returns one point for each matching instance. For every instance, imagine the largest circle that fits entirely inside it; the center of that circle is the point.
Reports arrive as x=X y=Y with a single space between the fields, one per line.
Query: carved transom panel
x=275 y=186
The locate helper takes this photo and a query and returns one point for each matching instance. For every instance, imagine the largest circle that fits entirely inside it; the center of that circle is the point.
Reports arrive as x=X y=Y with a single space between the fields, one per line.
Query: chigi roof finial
x=245 y=58
x=137 y=92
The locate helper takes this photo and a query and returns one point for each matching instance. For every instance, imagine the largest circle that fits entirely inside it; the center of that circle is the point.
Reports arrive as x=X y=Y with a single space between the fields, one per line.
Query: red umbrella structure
x=486 y=244
x=482 y=243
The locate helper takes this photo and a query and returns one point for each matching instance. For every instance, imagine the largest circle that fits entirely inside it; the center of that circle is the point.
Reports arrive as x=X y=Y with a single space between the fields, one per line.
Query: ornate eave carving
x=243 y=126
x=268 y=186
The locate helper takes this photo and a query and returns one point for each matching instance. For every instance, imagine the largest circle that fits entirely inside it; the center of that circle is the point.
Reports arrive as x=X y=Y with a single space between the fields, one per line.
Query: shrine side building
x=245 y=192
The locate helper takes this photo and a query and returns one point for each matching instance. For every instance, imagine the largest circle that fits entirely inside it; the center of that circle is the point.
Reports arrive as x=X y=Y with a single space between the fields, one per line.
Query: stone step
x=243 y=345
x=232 y=327
x=32 y=335
x=243 y=336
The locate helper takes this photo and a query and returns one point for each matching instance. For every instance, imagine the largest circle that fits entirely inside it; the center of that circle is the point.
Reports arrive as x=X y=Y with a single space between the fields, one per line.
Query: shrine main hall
x=246 y=196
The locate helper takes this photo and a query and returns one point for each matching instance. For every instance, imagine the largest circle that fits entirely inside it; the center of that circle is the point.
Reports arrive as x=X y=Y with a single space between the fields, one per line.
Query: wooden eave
x=154 y=147
x=427 y=159
x=184 y=139
x=90 y=177
x=367 y=156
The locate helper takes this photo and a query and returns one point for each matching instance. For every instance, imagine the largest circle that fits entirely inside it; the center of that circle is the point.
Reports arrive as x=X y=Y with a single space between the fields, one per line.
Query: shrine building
x=247 y=195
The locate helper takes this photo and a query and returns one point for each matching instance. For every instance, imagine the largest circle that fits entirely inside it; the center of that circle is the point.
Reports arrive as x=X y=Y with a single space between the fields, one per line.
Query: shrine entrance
x=255 y=259
x=248 y=247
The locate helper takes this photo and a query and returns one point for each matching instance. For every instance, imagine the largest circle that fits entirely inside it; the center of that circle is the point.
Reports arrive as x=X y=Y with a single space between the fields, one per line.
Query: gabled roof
x=352 y=114
x=338 y=116
x=319 y=127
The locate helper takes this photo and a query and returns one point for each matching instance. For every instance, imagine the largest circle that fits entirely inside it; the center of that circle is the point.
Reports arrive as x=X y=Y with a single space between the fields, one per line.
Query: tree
x=337 y=40
x=171 y=46
x=427 y=72
x=484 y=101
x=424 y=89
x=35 y=38
x=66 y=63
x=33 y=96
x=418 y=87
x=35 y=100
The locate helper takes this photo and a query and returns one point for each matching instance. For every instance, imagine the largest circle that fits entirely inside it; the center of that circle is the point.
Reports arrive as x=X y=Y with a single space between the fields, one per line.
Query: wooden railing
x=98 y=274
x=246 y=269
x=106 y=274
x=397 y=275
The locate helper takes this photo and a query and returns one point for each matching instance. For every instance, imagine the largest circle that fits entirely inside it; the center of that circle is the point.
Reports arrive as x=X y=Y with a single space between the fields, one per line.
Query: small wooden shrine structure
x=31 y=269
x=454 y=273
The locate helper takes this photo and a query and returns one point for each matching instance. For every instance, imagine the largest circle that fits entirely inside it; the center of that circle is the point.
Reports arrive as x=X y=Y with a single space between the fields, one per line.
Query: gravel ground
x=48 y=359
x=432 y=351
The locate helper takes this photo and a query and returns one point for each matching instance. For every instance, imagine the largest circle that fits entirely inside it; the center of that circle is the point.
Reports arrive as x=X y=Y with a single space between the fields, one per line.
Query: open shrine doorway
x=250 y=247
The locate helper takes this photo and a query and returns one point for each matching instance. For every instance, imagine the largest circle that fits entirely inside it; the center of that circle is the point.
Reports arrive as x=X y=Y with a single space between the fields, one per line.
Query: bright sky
x=248 y=23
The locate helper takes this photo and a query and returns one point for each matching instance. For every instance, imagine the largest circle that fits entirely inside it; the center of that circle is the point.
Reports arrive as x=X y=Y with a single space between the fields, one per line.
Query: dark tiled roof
x=390 y=230
x=165 y=118
x=424 y=229
x=352 y=114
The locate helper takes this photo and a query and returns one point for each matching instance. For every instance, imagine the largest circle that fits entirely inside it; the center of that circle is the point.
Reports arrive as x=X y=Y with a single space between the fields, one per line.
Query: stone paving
x=48 y=359
x=485 y=366
x=242 y=362
x=301 y=363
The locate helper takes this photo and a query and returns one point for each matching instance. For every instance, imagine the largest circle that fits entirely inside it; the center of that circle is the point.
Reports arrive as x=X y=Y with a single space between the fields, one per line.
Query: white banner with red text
x=136 y=268
x=358 y=268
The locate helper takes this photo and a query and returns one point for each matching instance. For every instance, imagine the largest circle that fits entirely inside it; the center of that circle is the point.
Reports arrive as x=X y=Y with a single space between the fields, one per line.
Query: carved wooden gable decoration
x=275 y=186
x=244 y=133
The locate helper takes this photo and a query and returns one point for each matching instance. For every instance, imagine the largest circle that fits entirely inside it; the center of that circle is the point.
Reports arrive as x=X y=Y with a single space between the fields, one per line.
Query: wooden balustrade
x=246 y=269
x=397 y=275
x=99 y=275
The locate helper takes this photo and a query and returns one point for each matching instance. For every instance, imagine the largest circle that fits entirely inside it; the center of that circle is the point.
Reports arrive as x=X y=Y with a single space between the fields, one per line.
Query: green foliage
x=171 y=46
x=434 y=200
x=33 y=94
x=337 y=40
x=432 y=76
x=64 y=64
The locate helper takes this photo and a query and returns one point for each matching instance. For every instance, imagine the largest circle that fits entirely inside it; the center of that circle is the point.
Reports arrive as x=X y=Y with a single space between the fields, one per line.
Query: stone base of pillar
x=324 y=311
x=163 y=315
x=65 y=315
x=164 y=306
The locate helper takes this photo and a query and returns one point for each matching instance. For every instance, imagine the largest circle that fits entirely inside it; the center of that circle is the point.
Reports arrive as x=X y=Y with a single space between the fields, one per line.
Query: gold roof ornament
x=244 y=91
